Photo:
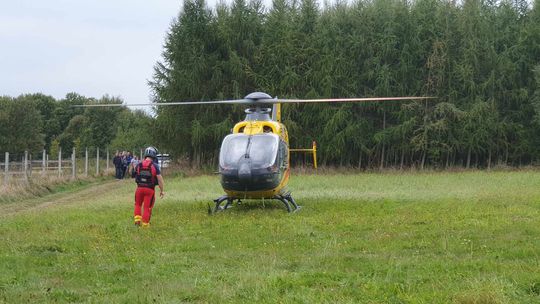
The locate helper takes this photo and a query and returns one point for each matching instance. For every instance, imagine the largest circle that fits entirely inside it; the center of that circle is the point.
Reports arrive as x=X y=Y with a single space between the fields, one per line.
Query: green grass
x=470 y=237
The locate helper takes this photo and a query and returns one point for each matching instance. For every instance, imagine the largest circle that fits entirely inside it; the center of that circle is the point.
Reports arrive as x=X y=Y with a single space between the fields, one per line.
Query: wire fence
x=91 y=162
x=17 y=167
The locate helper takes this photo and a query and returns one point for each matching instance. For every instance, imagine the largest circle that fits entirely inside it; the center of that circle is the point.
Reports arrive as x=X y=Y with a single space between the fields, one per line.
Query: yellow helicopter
x=254 y=160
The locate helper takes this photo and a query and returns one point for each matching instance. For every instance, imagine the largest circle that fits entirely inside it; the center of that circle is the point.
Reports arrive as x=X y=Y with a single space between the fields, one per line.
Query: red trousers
x=146 y=196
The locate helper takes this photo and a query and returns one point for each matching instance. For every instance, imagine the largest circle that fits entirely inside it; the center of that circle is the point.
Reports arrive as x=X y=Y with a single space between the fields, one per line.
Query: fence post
x=86 y=162
x=141 y=156
x=97 y=161
x=30 y=165
x=6 y=169
x=160 y=162
x=59 y=162
x=73 y=165
x=107 y=160
x=26 y=166
x=43 y=162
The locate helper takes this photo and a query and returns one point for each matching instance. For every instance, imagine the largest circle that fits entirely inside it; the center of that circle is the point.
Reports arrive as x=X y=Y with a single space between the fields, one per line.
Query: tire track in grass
x=71 y=197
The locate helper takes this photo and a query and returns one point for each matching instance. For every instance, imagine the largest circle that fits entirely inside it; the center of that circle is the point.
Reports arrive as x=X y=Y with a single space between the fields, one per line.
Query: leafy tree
x=22 y=125
x=135 y=130
x=99 y=124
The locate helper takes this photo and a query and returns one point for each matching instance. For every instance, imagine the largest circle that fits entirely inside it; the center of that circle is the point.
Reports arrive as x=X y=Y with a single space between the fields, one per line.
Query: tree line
x=34 y=122
x=479 y=58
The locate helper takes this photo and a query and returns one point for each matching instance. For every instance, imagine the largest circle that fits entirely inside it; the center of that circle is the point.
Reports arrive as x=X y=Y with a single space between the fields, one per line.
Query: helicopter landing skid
x=288 y=201
x=219 y=200
x=285 y=198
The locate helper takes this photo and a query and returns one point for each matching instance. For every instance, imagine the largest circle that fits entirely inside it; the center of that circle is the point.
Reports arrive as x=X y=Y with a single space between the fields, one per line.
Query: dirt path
x=74 y=197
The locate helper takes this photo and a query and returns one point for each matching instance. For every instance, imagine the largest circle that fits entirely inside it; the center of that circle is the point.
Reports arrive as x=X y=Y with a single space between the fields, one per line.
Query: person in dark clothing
x=126 y=162
x=123 y=156
x=117 y=161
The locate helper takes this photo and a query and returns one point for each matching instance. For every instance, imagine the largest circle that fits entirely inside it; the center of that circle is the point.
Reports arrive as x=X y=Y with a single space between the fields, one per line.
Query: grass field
x=471 y=237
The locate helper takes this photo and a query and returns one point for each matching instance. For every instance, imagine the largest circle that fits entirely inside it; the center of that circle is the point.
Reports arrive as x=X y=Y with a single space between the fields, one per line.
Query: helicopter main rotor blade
x=365 y=99
x=176 y=103
x=253 y=101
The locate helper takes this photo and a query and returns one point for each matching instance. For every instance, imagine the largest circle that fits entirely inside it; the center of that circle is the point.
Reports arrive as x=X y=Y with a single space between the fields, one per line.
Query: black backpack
x=146 y=176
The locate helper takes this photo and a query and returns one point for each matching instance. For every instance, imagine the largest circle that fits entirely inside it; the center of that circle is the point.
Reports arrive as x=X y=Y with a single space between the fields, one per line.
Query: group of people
x=147 y=174
x=124 y=164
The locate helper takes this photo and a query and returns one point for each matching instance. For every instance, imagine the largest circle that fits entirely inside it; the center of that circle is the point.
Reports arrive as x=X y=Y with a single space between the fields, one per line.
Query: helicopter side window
x=283 y=153
x=267 y=129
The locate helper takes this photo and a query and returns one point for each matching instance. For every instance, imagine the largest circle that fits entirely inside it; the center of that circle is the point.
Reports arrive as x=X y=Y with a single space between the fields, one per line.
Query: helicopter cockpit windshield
x=260 y=149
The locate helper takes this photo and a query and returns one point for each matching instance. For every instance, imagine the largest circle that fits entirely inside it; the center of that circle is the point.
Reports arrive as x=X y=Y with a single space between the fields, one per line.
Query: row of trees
x=35 y=121
x=481 y=59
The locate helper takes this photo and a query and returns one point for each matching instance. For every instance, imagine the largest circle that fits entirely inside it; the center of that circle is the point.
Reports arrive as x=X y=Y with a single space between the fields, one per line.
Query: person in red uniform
x=148 y=175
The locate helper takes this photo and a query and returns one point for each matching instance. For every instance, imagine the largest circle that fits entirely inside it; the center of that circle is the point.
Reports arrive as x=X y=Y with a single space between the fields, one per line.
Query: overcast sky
x=92 y=48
